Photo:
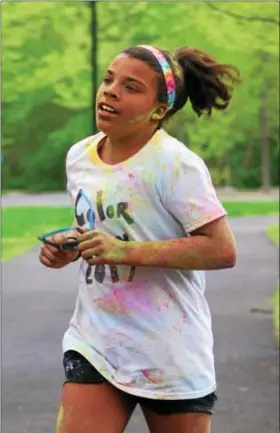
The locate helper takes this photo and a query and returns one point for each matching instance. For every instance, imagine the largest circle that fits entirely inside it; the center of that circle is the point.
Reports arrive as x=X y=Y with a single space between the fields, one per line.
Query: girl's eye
x=106 y=80
x=131 y=88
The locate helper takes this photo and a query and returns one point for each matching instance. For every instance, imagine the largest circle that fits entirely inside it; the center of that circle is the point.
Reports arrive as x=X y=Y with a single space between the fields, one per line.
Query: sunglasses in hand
x=72 y=242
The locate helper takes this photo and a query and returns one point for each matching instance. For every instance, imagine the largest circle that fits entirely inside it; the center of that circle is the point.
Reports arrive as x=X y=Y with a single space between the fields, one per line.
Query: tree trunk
x=94 y=62
x=248 y=154
x=265 y=147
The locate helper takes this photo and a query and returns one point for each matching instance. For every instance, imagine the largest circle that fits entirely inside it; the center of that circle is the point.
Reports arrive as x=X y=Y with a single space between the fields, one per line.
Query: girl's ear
x=159 y=113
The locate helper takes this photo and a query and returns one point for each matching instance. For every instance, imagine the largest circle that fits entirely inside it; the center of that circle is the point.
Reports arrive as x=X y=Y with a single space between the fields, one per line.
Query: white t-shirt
x=146 y=330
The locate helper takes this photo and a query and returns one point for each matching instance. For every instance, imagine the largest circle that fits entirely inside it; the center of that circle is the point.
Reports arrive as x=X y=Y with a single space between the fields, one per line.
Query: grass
x=251 y=208
x=21 y=225
x=273 y=234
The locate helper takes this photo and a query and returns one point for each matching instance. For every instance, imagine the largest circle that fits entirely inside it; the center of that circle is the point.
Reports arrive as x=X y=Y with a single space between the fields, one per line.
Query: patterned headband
x=167 y=72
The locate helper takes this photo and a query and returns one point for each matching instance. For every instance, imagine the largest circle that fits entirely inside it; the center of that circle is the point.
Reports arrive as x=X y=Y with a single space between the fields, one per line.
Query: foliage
x=47 y=89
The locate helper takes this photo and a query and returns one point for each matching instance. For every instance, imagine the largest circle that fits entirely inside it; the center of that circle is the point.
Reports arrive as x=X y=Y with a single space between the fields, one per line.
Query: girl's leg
x=179 y=416
x=177 y=422
x=93 y=408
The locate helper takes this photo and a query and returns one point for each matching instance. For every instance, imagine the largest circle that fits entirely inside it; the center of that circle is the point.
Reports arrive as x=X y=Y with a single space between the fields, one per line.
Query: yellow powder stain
x=112 y=304
x=106 y=374
x=92 y=151
x=156 y=140
x=147 y=177
x=60 y=420
x=177 y=172
x=83 y=350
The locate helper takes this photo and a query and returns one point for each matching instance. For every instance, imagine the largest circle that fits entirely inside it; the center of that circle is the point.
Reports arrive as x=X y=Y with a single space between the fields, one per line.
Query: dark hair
x=199 y=78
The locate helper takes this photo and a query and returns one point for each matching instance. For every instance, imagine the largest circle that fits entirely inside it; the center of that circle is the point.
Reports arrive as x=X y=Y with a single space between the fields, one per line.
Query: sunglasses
x=72 y=242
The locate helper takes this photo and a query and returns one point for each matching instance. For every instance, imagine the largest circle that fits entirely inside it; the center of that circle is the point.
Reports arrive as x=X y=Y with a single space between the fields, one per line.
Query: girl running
x=149 y=224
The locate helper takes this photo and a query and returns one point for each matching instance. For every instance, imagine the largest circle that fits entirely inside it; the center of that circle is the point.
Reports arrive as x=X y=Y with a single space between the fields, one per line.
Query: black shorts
x=79 y=370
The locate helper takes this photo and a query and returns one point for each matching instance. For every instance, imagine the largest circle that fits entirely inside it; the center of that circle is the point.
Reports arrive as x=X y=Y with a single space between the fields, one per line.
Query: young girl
x=141 y=330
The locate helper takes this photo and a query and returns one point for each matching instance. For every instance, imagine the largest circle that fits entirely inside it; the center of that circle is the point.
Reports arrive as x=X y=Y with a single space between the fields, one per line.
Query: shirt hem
x=205 y=221
x=154 y=395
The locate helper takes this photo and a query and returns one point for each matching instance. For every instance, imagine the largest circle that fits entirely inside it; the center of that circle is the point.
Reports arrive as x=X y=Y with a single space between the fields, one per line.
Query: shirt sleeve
x=73 y=160
x=190 y=195
x=69 y=177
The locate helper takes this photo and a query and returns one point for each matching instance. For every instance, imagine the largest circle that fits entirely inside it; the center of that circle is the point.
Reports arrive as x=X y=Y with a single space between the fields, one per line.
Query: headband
x=167 y=72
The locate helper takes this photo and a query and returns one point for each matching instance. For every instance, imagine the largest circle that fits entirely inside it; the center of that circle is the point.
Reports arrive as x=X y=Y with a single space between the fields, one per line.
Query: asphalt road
x=37 y=304
x=61 y=198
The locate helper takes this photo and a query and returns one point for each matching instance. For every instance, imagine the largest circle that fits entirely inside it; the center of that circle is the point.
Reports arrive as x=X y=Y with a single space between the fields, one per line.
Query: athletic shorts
x=78 y=370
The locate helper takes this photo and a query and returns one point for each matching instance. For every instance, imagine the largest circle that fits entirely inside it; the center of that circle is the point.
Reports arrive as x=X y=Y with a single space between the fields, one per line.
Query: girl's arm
x=209 y=247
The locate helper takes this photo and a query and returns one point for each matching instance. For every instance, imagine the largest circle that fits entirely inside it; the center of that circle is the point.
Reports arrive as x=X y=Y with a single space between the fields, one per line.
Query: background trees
x=47 y=89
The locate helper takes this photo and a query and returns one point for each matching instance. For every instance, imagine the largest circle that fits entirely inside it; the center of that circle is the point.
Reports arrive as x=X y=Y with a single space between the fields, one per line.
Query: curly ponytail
x=198 y=76
x=207 y=83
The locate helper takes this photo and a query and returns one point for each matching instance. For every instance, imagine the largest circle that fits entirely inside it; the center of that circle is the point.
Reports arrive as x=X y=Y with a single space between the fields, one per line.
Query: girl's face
x=127 y=97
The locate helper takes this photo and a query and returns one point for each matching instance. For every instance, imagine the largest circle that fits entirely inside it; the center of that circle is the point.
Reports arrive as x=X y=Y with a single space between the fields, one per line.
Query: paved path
x=37 y=304
x=44 y=199
x=62 y=198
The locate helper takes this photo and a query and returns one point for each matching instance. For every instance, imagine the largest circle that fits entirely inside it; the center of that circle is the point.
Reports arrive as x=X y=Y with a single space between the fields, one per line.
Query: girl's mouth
x=106 y=111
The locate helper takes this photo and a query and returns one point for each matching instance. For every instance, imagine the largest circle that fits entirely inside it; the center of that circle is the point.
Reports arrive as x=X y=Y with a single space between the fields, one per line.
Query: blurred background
x=54 y=55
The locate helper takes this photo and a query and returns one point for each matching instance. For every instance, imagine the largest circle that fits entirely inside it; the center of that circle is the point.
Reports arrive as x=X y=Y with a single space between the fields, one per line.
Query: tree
x=244 y=16
x=47 y=81
x=252 y=28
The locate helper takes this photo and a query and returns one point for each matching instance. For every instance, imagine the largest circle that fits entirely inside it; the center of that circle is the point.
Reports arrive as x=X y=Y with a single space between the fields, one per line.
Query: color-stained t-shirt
x=146 y=330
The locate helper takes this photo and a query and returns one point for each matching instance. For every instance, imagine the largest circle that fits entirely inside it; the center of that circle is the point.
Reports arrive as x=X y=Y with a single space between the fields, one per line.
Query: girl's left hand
x=97 y=248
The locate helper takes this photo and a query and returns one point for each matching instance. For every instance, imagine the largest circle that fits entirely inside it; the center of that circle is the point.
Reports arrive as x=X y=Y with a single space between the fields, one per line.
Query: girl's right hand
x=53 y=257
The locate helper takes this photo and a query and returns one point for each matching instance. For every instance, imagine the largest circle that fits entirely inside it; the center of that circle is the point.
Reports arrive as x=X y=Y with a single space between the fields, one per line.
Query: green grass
x=21 y=225
x=251 y=208
x=273 y=234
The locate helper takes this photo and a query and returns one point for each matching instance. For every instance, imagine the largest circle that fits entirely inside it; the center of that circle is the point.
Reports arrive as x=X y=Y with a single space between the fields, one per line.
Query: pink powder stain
x=163 y=307
x=170 y=294
x=129 y=207
x=146 y=374
x=131 y=176
x=151 y=378
x=125 y=302
x=118 y=338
